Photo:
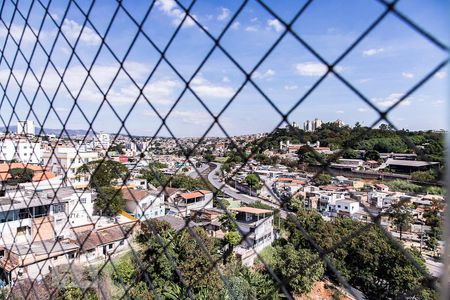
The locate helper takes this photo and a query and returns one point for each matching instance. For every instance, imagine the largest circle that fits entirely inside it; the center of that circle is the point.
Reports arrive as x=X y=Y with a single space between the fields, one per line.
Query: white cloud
x=339 y=112
x=72 y=30
x=171 y=9
x=225 y=79
x=205 y=89
x=408 y=75
x=251 y=28
x=391 y=100
x=314 y=69
x=235 y=25
x=192 y=117
x=253 y=20
x=439 y=102
x=373 y=51
x=275 y=24
x=363 y=109
x=441 y=74
x=267 y=74
x=15 y=31
x=290 y=87
x=224 y=14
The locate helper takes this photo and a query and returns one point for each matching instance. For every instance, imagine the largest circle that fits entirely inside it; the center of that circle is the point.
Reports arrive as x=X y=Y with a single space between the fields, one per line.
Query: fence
x=110 y=255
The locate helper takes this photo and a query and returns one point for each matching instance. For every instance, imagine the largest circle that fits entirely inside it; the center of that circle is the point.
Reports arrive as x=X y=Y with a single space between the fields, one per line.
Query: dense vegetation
x=429 y=144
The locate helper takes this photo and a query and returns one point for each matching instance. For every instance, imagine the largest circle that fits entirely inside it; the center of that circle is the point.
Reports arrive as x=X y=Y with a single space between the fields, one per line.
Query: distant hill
x=70 y=132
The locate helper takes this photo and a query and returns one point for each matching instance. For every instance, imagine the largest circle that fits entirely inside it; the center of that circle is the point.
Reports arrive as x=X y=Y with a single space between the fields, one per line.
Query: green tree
x=109 y=201
x=103 y=173
x=322 y=179
x=372 y=155
x=232 y=238
x=296 y=202
x=401 y=216
x=20 y=175
x=194 y=262
x=253 y=181
x=300 y=268
x=423 y=176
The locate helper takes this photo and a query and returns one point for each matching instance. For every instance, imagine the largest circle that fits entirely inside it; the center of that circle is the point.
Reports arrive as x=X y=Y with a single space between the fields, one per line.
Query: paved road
x=214 y=179
x=201 y=171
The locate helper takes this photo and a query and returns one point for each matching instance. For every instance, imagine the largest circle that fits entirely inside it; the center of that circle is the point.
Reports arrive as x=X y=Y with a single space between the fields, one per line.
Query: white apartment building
x=66 y=160
x=20 y=150
x=25 y=127
x=102 y=140
x=312 y=125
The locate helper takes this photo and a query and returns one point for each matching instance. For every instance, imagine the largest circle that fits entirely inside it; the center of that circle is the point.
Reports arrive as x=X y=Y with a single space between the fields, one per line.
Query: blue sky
x=385 y=65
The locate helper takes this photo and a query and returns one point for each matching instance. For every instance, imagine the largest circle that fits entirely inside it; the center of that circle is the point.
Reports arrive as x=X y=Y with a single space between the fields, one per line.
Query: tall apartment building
x=312 y=125
x=25 y=127
x=65 y=161
x=20 y=150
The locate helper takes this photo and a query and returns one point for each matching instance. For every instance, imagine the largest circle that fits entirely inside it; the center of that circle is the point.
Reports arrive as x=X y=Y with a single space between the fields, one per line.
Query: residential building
x=36 y=259
x=102 y=140
x=25 y=127
x=21 y=150
x=327 y=201
x=256 y=225
x=144 y=204
x=347 y=207
x=27 y=215
x=183 y=204
x=65 y=161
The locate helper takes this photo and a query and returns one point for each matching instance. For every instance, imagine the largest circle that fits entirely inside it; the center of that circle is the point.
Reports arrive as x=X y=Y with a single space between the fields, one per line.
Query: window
x=57 y=208
x=22 y=230
x=122 y=242
x=346 y=207
x=110 y=246
x=83 y=200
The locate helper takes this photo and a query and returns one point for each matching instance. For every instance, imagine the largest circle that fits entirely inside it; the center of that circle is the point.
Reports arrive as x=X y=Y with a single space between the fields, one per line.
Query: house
x=35 y=260
x=39 y=173
x=183 y=204
x=327 y=201
x=209 y=219
x=347 y=207
x=103 y=242
x=256 y=225
x=376 y=198
x=143 y=204
x=379 y=187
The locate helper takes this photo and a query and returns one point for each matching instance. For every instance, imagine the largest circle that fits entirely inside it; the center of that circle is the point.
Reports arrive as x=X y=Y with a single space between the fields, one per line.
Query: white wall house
x=143 y=204
x=347 y=207
x=327 y=201
x=20 y=150
x=66 y=160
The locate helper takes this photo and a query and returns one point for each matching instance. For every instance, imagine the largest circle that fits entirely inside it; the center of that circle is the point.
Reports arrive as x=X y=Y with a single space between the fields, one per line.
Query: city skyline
x=385 y=65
